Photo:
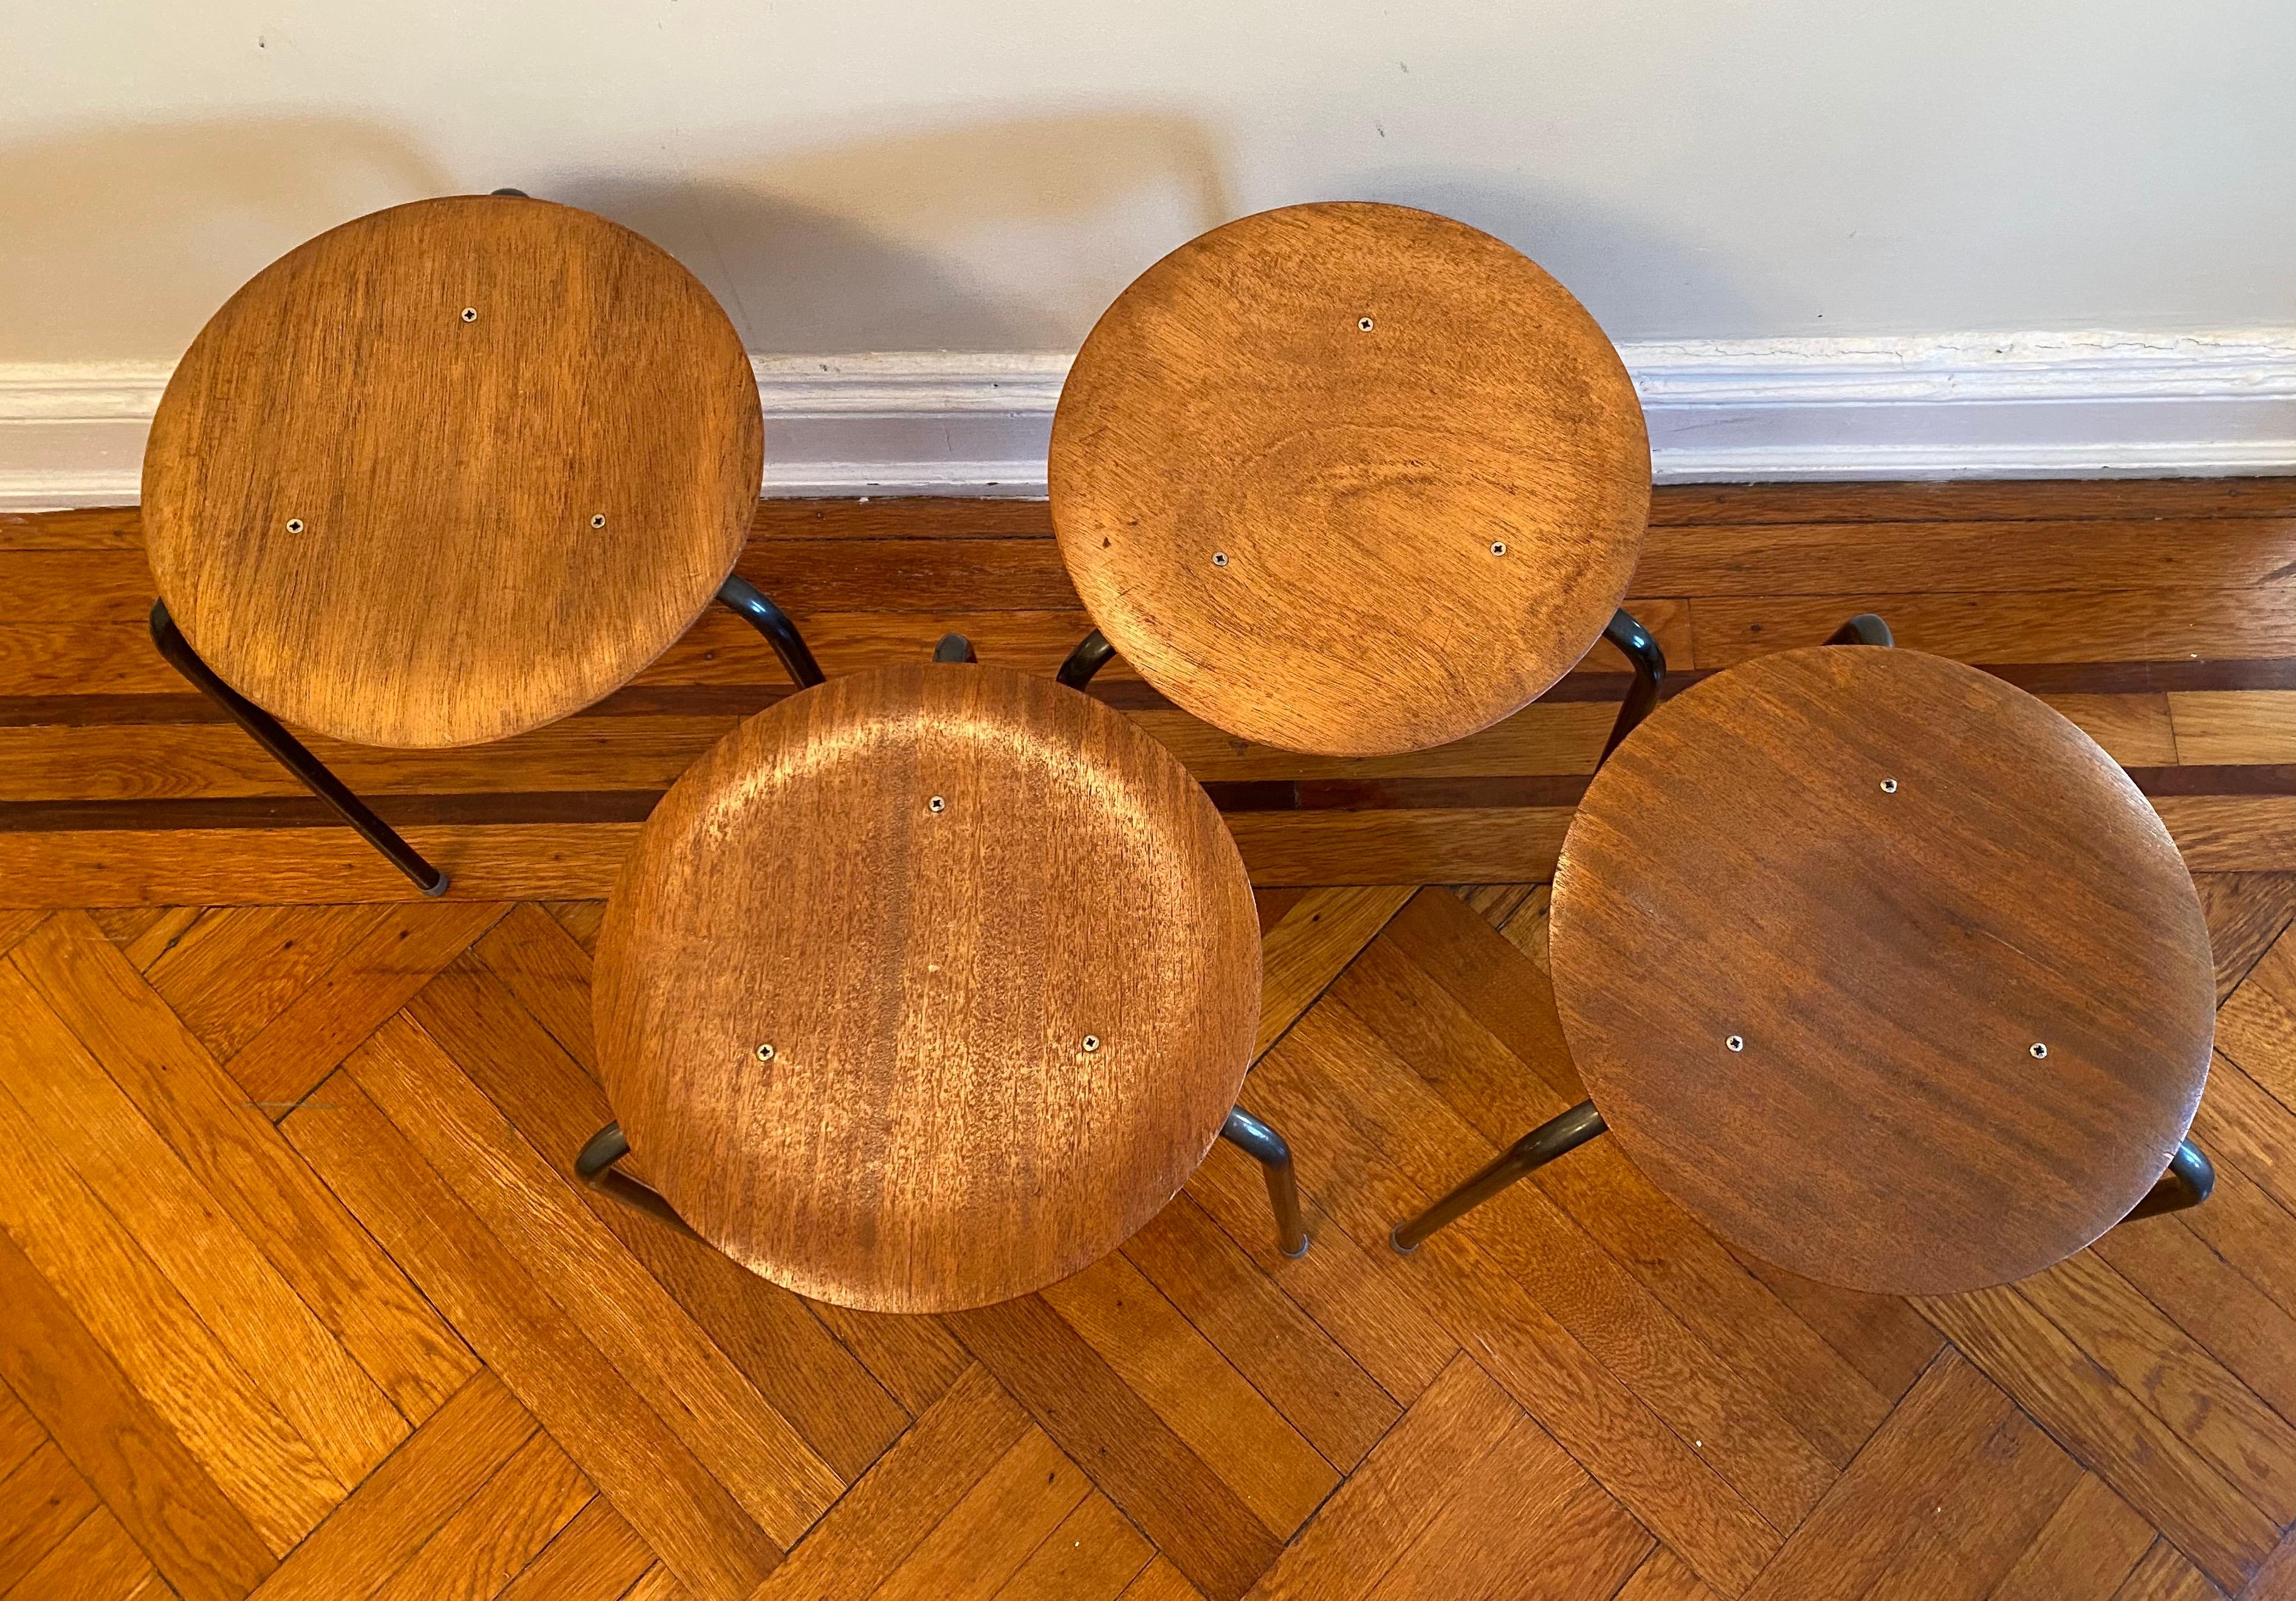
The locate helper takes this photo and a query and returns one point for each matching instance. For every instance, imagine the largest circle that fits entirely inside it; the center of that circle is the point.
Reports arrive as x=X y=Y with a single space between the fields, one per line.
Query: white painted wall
x=985 y=174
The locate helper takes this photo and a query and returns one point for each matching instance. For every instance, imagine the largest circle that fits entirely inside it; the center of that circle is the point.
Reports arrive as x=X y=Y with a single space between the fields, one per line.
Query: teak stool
x=1880 y=967
x=926 y=987
x=1351 y=480
x=446 y=473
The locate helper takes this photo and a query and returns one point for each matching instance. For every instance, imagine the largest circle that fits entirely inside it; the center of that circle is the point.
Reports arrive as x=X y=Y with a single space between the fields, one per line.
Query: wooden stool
x=1883 y=969
x=1351 y=480
x=446 y=473
x=926 y=987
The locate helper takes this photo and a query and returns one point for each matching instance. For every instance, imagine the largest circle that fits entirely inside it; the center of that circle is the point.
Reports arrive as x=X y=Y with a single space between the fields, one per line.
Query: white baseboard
x=2007 y=405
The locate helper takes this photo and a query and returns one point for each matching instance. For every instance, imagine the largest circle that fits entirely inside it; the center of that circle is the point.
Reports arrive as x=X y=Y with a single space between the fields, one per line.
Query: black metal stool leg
x=1267 y=1147
x=1092 y=654
x=954 y=647
x=596 y=1168
x=1551 y=1139
x=770 y=620
x=2187 y=1182
x=290 y=753
x=1650 y=668
x=1865 y=628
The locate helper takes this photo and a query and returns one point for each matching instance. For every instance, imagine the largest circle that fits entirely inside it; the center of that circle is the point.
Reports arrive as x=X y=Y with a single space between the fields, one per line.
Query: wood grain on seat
x=1882 y=968
x=927 y=986
x=452 y=471
x=1349 y=479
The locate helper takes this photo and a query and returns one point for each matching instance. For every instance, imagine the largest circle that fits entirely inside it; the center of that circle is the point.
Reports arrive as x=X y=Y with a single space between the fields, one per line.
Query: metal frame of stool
x=2186 y=1182
x=737 y=593
x=594 y=1165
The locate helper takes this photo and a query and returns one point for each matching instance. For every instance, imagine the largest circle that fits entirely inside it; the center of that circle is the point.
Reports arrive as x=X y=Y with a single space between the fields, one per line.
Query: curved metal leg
x=2187 y=1182
x=1551 y=1139
x=770 y=620
x=1865 y=628
x=596 y=1168
x=290 y=753
x=514 y=193
x=1264 y=1146
x=1650 y=668
x=1092 y=654
x=954 y=647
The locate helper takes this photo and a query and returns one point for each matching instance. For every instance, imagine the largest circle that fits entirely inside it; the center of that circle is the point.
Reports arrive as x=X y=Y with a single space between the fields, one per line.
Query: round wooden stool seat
x=927 y=986
x=1349 y=479
x=1882 y=968
x=452 y=471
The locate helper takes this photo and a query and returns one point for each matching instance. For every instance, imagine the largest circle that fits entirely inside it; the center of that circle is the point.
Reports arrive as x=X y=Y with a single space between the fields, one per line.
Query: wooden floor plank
x=2256 y=1026
x=2232 y=1428
x=1421 y=1147
x=1308 y=1087
x=208 y=1549
x=96 y=1561
x=2034 y=555
x=1663 y=1577
x=2083 y=1552
x=537 y=1216
x=596 y=1557
x=905 y=1496
x=2114 y=1435
x=1317 y=1386
x=41 y=1499
x=1092 y=1555
x=253 y=1312
x=254 y=1454
x=691 y=1520
x=2165 y=1575
x=1420 y=1019
x=987 y=1536
x=1339 y=1284
x=376 y=976
x=2230 y=725
x=1526 y=1517
x=1310 y=944
x=541 y=964
x=1207 y=1530
x=21 y=1433
x=767 y=1334
x=264 y=866
x=2103 y=625
x=333 y=1265
x=388 y=1517
x=2211 y=1301
x=1164 y=1360
x=236 y=968
x=2255 y=1131
x=1407 y=1479
x=499 y=1529
x=2246 y=912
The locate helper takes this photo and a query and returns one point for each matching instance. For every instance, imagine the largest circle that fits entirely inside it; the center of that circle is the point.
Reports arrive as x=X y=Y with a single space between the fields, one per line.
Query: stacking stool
x=926 y=987
x=446 y=473
x=1882 y=969
x=1351 y=480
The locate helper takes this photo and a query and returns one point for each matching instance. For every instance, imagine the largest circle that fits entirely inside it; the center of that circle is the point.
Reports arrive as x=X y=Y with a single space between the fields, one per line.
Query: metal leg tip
x=1295 y=1255
x=438 y=888
x=1394 y=1238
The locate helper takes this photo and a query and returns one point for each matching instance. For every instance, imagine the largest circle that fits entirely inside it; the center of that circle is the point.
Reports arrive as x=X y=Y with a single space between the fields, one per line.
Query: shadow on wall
x=1004 y=235
x=1640 y=284
x=122 y=242
x=1011 y=235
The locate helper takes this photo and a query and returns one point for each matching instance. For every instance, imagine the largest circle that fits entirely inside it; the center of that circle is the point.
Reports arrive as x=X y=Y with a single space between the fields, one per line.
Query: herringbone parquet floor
x=298 y=1298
